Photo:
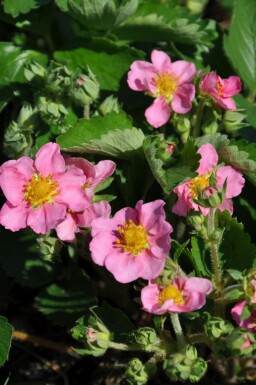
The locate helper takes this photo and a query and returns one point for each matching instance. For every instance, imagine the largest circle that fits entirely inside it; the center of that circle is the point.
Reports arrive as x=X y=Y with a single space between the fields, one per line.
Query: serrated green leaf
x=108 y=61
x=64 y=302
x=217 y=140
x=239 y=154
x=13 y=60
x=199 y=251
x=150 y=146
x=15 y=8
x=236 y=250
x=5 y=339
x=19 y=257
x=240 y=45
x=186 y=166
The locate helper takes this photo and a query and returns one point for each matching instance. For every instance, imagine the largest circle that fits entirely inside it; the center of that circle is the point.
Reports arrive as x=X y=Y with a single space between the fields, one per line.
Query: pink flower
x=181 y=296
x=134 y=243
x=40 y=192
x=95 y=175
x=169 y=83
x=188 y=190
x=247 y=323
x=221 y=90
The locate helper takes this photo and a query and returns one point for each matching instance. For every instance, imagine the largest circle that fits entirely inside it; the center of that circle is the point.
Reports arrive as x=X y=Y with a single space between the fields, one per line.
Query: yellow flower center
x=166 y=84
x=220 y=88
x=40 y=190
x=133 y=238
x=86 y=185
x=201 y=181
x=170 y=292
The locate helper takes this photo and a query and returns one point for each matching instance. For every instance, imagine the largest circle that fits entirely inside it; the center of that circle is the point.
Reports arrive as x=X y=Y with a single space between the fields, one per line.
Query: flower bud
x=34 y=72
x=241 y=342
x=213 y=200
x=51 y=112
x=17 y=142
x=196 y=219
x=181 y=123
x=250 y=287
x=85 y=89
x=110 y=104
x=233 y=120
x=216 y=327
x=49 y=247
x=58 y=78
x=28 y=117
x=185 y=366
x=145 y=337
x=136 y=373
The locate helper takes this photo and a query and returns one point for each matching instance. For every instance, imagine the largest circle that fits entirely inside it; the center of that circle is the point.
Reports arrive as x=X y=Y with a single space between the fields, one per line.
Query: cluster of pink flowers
x=52 y=192
x=171 y=84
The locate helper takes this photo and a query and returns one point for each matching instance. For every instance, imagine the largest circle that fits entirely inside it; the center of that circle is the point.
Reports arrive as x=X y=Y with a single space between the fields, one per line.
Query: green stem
x=199 y=338
x=181 y=342
x=199 y=114
x=133 y=347
x=214 y=253
x=87 y=111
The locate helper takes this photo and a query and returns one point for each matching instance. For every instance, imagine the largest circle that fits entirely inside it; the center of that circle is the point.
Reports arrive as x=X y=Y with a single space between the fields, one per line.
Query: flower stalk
x=181 y=342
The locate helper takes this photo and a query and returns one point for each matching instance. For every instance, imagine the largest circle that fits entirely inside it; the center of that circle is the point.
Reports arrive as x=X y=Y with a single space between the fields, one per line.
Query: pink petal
x=232 y=86
x=124 y=215
x=201 y=285
x=193 y=302
x=158 y=113
x=103 y=225
x=226 y=103
x=149 y=298
x=67 y=229
x=161 y=61
x=150 y=213
x=236 y=312
x=140 y=75
x=152 y=266
x=13 y=185
x=184 y=70
x=182 y=99
x=14 y=218
x=209 y=158
x=24 y=165
x=125 y=267
x=184 y=202
x=102 y=245
x=226 y=205
x=49 y=159
x=46 y=217
x=209 y=83
x=100 y=209
x=235 y=180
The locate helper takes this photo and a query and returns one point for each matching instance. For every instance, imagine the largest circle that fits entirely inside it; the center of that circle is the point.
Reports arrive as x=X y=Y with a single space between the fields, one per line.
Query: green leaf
x=15 y=8
x=240 y=45
x=64 y=302
x=108 y=61
x=5 y=339
x=239 y=154
x=62 y=4
x=179 y=249
x=150 y=147
x=199 y=251
x=236 y=250
x=217 y=140
x=13 y=60
x=20 y=259
x=186 y=166
x=85 y=132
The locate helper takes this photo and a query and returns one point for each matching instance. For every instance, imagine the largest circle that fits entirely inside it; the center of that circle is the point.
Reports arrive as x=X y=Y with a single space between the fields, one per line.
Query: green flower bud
x=196 y=6
x=196 y=219
x=185 y=366
x=97 y=336
x=215 y=199
x=58 y=79
x=49 y=247
x=110 y=104
x=135 y=373
x=85 y=89
x=241 y=342
x=233 y=120
x=34 y=72
x=28 y=117
x=145 y=337
x=17 y=141
x=182 y=124
x=250 y=287
x=51 y=112
x=216 y=327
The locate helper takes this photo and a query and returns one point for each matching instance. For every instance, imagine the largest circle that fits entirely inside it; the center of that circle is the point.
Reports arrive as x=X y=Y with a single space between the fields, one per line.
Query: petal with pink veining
x=161 y=61
x=14 y=218
x=67 y=229
x=235 y=180
x=184 y=70
x=152 y=266
x=140 y=75
x=49 y=159
x=125 y=267
x=232 y=86
x=158 y=113
x=13 y=185
x=209 y=158
x=182 y=99
x=46 y=217
x=102 y=245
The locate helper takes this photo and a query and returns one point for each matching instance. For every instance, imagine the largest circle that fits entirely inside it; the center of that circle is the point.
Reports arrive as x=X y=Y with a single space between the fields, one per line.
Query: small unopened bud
x=85 y=88
x=17 y=142
x=241 y=342
x=136 y=373
x=216 y=327
x=34 y=72
x=216 y=197
x=58 y=78
x=50 y=111
x=145 y=337
x=185 y=366
x=110 y=104
x=196 y=219
x=49 y=247
x=233 y=120
x=28 y=117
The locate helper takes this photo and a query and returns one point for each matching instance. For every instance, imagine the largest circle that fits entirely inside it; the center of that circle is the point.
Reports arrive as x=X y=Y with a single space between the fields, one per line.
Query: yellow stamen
x=133 y=238
x=166 y=84
x=86 y=185
x=170 y=292
x=220 y=88
x=40 y=190
x=201 y=181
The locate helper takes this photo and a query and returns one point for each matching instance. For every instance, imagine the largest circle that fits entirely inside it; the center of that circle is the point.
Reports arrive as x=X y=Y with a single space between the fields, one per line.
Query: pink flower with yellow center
x=181 y=296
x=188 y=191
x=40 y=192
x=247 y=323
x=169 y=83
x=221 y=90
x=134 y=243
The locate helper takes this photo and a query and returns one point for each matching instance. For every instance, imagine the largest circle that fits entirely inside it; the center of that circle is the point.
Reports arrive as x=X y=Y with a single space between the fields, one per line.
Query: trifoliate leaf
x=5 y=339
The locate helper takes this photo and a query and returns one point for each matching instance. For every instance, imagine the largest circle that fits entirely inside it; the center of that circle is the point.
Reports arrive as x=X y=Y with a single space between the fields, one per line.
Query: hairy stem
x=214 y=253
x=181 y=342
x=87 y=111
